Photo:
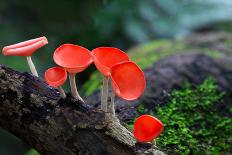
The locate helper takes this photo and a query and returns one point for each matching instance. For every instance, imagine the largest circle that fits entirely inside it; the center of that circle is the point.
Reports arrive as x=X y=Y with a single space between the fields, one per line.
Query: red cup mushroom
x=128 y=81
x=147 y=128
x=104 y=58
x=56 y=77
x=73 y=59
x=26 y=48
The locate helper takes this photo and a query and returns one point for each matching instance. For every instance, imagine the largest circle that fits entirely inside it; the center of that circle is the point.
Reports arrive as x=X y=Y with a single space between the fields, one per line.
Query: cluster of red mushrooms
x=127 y=79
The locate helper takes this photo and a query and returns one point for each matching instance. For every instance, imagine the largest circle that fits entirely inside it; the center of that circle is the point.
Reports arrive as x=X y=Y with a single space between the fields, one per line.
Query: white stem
x=73 y=86
x=112 y=104
x=154 y=142
x=104 y=97
x=62 y=93
x=32 y=66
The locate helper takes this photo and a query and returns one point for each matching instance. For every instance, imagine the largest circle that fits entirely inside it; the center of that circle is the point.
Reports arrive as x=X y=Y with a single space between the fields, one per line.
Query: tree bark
x=36 y=113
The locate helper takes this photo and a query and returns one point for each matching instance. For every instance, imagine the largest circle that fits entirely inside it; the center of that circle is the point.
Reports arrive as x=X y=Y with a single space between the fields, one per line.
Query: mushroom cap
x=72 y=57
x=147 y=128
x=55 y=76
x=105 y=57
x=128 y=80
x=26 y=48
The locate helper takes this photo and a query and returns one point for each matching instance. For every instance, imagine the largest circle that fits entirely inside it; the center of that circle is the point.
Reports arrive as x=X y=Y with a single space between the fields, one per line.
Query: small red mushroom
x=147 y=128
x=104 y=58
x=128 y=80
x=73 y=59
x=56 y=77
x=26 y=48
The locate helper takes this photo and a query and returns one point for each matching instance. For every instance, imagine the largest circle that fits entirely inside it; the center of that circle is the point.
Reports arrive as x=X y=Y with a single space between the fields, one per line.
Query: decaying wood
x=36 y=113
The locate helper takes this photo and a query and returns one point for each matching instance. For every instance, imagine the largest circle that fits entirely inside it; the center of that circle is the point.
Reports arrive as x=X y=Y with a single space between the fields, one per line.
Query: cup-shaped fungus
x=56 y=77
x=104 y=58
x=73 y=59
x=128 y=81
x=147 y=128
x=26 y=48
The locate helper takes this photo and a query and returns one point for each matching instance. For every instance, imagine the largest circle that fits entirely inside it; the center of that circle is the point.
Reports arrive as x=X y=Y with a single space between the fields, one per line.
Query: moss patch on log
x=192 y=123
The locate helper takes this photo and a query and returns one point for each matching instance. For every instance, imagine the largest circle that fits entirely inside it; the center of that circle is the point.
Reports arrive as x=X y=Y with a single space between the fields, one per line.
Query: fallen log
x=35 y=112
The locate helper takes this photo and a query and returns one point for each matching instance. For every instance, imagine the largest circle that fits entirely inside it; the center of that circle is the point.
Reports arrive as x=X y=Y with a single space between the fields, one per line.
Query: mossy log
x=36 y=113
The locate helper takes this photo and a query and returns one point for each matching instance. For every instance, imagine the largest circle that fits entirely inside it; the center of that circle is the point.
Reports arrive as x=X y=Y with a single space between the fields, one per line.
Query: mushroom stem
x=104 y=97
x=32 y=66
x=154 y=142
x=112 y=105
x=62 y=93
x=73 y=86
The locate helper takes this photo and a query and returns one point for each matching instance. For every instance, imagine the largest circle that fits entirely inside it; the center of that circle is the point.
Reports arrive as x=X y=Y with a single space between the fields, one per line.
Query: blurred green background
x=93 y=23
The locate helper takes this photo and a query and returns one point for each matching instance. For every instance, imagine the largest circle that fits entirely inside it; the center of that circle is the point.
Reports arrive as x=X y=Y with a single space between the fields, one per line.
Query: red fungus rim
x=25 y=48
x=55 y=76
x=105 y=57
x=117 y=77
x=147 y=128
x=72 y=57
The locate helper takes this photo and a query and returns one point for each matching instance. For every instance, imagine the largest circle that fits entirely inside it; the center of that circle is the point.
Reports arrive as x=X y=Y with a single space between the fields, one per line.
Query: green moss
x=192 y=124
x=32 y=152
x=228 y=42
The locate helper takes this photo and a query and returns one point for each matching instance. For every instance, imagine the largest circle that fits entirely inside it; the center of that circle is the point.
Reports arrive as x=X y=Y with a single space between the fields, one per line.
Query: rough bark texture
x=171 y=73
x=35 y=113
